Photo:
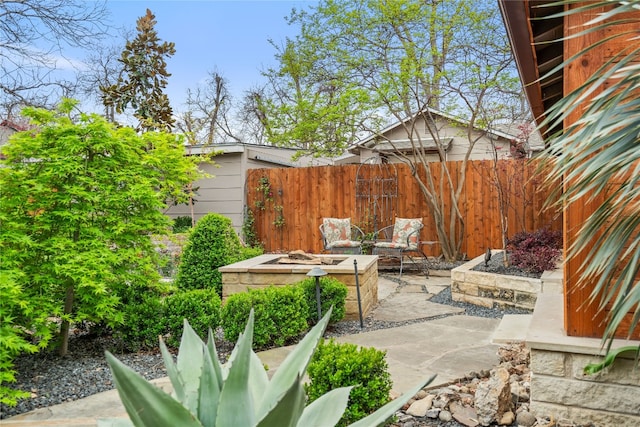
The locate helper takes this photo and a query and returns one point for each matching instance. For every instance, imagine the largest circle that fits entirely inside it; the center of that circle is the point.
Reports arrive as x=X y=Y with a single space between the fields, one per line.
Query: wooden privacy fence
x=288 y=204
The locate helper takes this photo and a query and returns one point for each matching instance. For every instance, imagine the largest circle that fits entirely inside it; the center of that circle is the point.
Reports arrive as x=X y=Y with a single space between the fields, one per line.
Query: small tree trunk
x=64 y=327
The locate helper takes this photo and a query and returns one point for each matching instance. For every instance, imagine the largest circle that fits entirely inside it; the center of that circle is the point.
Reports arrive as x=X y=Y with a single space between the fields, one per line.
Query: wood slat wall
x=581 y=317
x=309 y=194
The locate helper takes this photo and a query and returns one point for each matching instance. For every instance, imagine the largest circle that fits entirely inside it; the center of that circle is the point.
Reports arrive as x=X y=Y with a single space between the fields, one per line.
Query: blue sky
x=230 y=37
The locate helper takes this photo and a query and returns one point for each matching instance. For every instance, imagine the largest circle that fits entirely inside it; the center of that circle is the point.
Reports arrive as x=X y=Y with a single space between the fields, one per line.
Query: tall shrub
x=80 y=200
x=212 y=244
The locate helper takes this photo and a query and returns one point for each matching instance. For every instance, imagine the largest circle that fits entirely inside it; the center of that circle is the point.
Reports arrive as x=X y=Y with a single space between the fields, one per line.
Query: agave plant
x=238 y=393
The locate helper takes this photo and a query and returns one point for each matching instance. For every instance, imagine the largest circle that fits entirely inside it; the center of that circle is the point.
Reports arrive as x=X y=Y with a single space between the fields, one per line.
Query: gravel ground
x=52 y=379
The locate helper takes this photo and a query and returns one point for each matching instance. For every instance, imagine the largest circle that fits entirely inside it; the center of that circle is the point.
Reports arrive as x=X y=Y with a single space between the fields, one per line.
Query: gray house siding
x=224 y=191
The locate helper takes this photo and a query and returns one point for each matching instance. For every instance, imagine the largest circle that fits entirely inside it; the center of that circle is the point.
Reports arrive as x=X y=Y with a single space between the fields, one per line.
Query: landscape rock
x=493 y=397
x=444 y=415
x=420 y=407
x=507 y=419
x=433 y=413
x=465 y=415
x=525 y=419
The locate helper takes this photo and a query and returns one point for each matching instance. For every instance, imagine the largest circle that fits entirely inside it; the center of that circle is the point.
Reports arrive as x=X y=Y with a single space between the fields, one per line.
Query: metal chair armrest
x=358 y=236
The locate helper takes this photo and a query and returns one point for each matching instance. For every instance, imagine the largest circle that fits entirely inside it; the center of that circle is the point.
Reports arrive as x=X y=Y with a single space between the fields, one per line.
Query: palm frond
x=598 y=157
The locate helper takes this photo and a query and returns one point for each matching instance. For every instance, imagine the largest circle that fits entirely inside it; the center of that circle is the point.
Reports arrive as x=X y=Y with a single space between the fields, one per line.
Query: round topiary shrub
x=336 y=365
x=332 y=293
x=212 y=244
x=201 y=307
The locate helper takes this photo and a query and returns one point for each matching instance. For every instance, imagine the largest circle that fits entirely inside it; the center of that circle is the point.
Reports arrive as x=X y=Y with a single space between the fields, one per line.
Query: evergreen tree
x=143 y=79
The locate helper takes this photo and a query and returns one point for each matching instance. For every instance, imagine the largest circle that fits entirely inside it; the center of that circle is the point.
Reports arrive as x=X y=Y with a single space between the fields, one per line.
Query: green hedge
x=143 y=322
x=280 y=315
x=201 y=307
x=340 y=365
x=332 y=293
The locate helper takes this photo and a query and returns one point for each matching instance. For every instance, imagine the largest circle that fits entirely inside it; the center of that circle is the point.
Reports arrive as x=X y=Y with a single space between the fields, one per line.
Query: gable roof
x=428 y=143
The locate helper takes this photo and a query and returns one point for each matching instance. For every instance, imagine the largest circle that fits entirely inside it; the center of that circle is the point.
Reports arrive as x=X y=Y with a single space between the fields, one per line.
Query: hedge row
x=282 y=314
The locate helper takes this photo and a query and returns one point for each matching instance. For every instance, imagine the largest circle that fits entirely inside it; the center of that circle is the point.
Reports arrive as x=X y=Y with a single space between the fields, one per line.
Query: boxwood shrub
x=339 y=365
x=212 y=244
x=143 y=322
x=280 y=315
x=332 y=293
x=201 y=307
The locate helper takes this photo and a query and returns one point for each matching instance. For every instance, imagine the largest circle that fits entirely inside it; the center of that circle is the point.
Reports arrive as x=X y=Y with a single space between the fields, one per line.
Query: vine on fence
x=267 y=197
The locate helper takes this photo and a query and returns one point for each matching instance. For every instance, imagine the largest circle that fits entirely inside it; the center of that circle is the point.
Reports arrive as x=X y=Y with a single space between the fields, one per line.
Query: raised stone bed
x=260 y=272
x=491 y=289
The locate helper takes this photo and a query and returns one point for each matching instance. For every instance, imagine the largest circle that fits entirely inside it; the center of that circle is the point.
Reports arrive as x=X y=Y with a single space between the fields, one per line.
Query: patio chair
x=400 y=239
x=339 y=236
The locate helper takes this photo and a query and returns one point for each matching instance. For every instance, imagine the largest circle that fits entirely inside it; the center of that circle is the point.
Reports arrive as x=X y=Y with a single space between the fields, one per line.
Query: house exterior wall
x=482 y=149
x=223 y=191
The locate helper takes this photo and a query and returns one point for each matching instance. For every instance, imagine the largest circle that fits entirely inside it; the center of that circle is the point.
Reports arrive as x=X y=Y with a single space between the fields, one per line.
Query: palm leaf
x=601 y=147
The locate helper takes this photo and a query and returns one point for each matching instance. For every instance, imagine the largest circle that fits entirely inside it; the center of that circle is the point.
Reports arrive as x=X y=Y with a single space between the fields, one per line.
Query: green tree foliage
x=212 y=244
x=79 y=203
x=144 y=78
x=357 y=65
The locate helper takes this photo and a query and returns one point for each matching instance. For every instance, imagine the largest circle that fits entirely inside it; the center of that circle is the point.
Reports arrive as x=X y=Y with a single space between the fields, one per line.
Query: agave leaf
x=327 y=409
x=147 y=405
x=115 y=422
x=294 y=365
x=190 y=361
x=287 y=409
x=236 y=406
x=379 y=417
x=213 y=354
x=259 y=380
x=209 y=393
x=172 y=372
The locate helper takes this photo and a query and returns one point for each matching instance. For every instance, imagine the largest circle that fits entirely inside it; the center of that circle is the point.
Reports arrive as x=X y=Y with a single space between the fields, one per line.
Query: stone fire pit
x=263 y=271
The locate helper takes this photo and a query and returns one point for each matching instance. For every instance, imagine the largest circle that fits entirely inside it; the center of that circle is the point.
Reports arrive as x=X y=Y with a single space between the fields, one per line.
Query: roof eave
x=516 y=19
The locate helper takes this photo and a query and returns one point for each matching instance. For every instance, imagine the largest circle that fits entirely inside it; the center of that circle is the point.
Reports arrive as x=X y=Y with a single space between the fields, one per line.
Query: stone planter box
x=499 y=290
x=560 y=389
x=257 y=272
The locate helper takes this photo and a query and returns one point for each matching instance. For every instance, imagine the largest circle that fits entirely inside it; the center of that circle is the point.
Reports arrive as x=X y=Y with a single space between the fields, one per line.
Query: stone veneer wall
x=253 y=274
x=558 y=386
x=490 y=289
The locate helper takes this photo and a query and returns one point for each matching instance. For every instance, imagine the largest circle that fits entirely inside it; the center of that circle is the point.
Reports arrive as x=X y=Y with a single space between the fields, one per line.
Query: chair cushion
x=343 y=244
x=336 y=229
x=391 y=245
x=403 y=228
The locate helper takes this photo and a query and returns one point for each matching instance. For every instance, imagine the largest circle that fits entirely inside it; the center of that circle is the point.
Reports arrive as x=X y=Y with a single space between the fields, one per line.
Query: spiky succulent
x=207 y=393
